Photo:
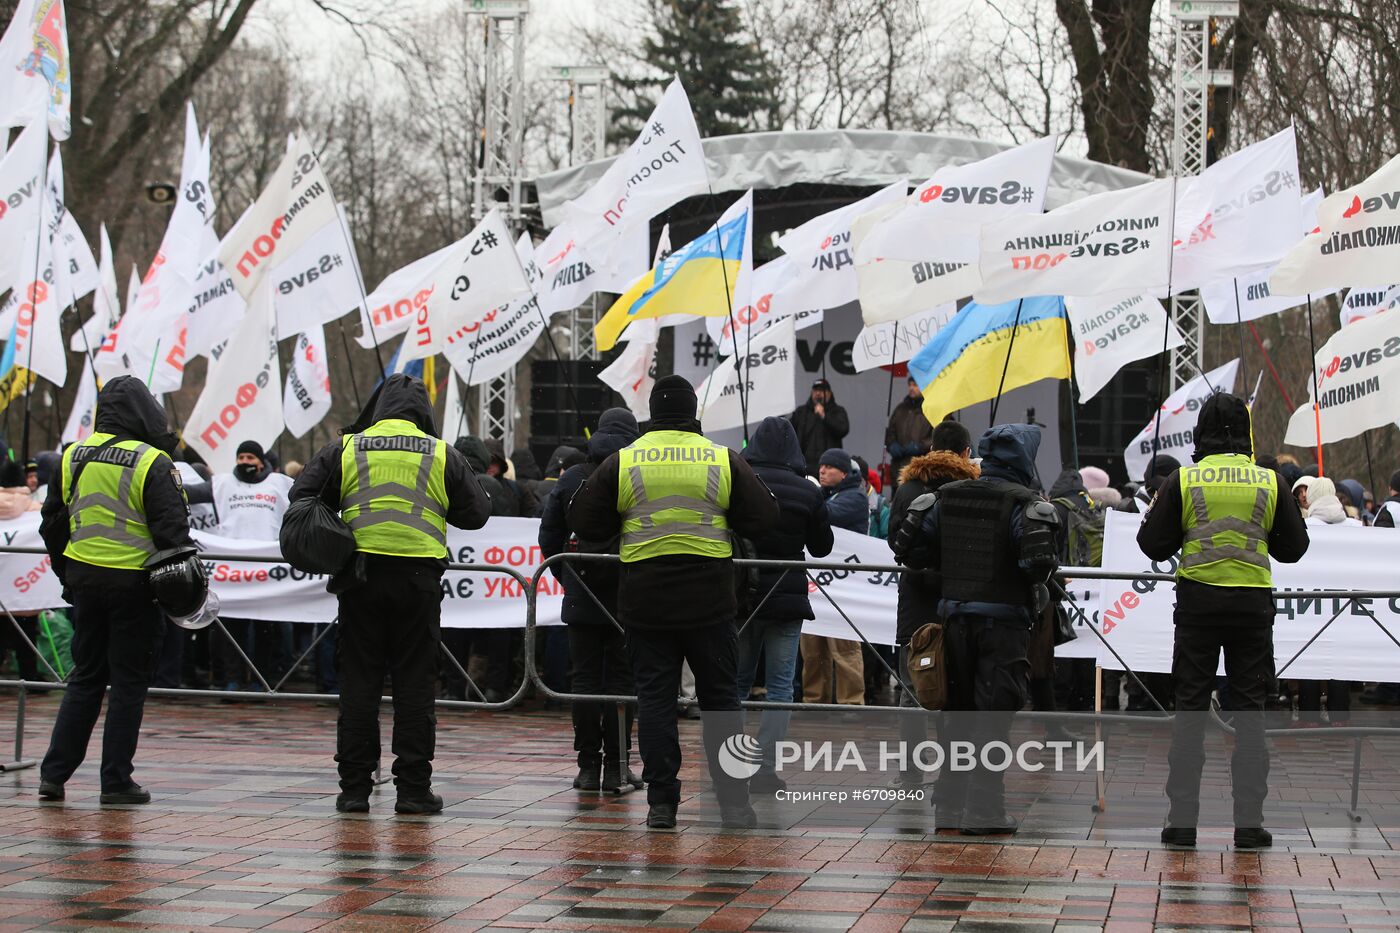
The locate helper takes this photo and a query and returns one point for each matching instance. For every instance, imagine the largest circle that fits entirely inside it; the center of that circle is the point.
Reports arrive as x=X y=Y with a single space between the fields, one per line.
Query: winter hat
x=1321 y=488
x=254 y=448
x=673 y=397
x=1158 y=469
x=1094 y=477
x=1108 y=497
x=1304 y=482
x=836 y=458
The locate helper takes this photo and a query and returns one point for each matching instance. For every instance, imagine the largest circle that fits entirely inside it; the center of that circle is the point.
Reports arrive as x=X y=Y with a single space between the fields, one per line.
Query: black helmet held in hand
x=181 y=587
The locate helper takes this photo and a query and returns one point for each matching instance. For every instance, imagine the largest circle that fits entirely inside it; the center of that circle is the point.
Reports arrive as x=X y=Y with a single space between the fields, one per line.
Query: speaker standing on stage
x=115 y=502
x=1227 y=517
x=398 y=486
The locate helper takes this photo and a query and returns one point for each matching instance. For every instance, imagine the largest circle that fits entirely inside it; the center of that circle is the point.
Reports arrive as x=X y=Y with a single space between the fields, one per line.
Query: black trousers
x=656 y=665
x=988 y=682
x=599 y=664
x=26 y=661
x=389 y=626
x=116 y=635
x=1249 y=667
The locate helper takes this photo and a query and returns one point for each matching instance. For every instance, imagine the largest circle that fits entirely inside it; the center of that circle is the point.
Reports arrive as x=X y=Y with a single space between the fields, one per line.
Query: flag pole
x=1370 y=469
x=1269 y=362
x=33 y=304
x=729 y=304
x=1239 y=320
x=1073 y=404
x=1011 y=345
x=360 y=284
x=1317 y=401
x=1166 y=336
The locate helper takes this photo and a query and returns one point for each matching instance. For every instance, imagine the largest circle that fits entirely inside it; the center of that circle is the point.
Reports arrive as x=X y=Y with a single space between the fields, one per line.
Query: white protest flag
x=454 y=411
x=481 y=272
x=770 y=386
x=35 y=78
x=106 y=305
x=485 y=349
x=923 y=251
x=80 y=417
x=1361 y=303
x=570 y=273
x=20 y=199
x=664 y=165
x=1358 y=240
x=133 y=286
x=1118 y=242
x=35 y=335
x=766 y=287
x=1247 y=297
x=242 y=397
x=296 y=203
x=1178 y=417
x=1239 y=215
x=319 y=282
x=633 y=373
x=823 y=258
x=896 y=342
x=216 y=307
x=306 y=399
x=1358 y=378
x=400 y=298
x=1110 y=333
x=74 y=257
x=149 y=343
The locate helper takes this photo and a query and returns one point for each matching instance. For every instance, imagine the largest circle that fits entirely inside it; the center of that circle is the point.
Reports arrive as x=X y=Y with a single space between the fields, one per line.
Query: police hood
x=774 y=443
x=126 y=408
x=1008 y=452
x=1223 y=427
x=617 y=428
x=401 y=397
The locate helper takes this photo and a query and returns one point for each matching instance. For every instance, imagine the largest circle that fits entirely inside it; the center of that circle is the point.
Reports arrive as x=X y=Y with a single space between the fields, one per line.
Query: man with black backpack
x=597 y=645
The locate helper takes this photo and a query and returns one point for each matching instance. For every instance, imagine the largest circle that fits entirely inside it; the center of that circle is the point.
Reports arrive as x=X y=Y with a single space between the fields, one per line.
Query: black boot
x=589 y=777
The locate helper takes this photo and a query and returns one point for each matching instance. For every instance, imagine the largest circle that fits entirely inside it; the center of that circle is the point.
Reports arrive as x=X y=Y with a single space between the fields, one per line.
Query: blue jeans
x=777 y=640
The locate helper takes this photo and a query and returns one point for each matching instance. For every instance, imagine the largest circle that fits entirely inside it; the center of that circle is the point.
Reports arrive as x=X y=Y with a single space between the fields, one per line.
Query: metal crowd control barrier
x=1342 y=599
x=270 y=691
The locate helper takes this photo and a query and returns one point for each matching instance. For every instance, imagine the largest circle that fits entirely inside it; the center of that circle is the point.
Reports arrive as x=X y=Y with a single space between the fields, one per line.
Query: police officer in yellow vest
x=115 y=501
x=1228 y=518
x=398 y=486
x=674 y=497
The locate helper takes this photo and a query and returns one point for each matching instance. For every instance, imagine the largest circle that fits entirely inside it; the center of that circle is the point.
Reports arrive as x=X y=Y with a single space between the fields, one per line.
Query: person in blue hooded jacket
x=803 y=524
x=994 y=541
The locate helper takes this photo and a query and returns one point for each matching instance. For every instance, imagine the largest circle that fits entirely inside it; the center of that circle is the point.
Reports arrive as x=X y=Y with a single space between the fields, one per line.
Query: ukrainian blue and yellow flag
x=963 y=363
x=700 y=278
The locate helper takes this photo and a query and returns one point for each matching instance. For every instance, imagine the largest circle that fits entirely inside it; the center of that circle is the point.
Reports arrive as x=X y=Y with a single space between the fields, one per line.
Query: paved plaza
x=243 y=834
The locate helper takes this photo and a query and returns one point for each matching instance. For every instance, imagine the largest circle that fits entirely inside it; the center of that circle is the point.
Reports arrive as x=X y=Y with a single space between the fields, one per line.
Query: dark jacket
x=127 y=410
x=616 y=429
x=1223 y=427
x=847 y=506
x=817 y=434
x=1008 y=455
x=1069 y=485
x=559 y=461
x=1384 y=518
x=681 y=590
x=522 y=502
x=398 y=397
x=478 y=458
x=908 y=435
x=919 y=590
x=527 y=470
x=803 y=523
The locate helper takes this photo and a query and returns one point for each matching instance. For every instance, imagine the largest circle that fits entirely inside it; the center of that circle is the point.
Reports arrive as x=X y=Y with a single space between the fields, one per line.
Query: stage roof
x=851 y=158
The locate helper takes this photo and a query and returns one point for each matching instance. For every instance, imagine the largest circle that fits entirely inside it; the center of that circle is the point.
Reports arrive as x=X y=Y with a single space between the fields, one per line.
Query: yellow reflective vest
x=673 y=493
x=1227 y=511
x=107 y=511
x=393 y=490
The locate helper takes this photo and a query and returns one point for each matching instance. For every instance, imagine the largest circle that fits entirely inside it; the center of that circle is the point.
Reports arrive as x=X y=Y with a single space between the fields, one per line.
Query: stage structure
x=1192 y=81
x=798 y=175
x=499 y=181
